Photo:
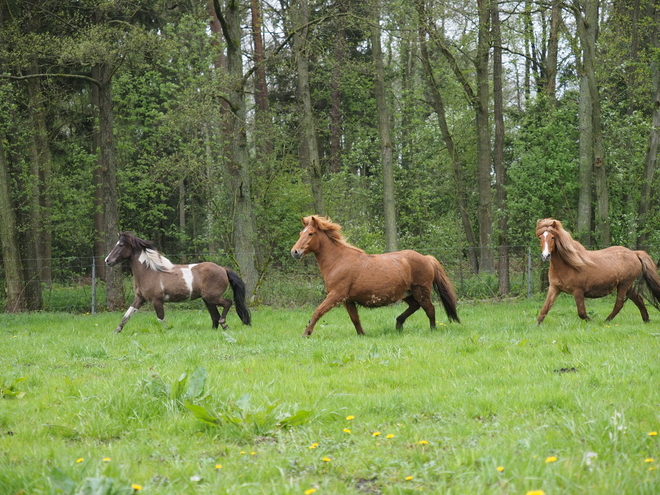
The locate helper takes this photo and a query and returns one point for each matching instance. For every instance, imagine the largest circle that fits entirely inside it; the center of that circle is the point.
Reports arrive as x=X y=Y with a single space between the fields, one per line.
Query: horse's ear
x=554 y=224
x=312 y=221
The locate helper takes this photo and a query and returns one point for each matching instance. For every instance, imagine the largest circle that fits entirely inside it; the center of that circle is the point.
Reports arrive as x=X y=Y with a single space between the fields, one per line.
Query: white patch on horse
x=129 y=312
x=188 y=277
x=106 y=258
x=545 y=252
x=305 y=230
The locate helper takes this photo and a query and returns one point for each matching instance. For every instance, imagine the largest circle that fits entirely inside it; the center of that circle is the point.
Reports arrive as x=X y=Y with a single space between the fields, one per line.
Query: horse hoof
x=117 y=330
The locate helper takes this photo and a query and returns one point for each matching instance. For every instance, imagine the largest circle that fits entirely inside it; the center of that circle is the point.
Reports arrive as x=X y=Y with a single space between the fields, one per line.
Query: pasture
x=494 y=405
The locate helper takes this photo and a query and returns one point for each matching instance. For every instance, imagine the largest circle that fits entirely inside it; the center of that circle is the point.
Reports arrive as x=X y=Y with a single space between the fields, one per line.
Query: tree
x=385 y=133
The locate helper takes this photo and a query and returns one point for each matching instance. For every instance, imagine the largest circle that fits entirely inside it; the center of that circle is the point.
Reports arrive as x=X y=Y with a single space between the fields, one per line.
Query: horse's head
x=123 y=250
x=545 y=231
x=308 y=240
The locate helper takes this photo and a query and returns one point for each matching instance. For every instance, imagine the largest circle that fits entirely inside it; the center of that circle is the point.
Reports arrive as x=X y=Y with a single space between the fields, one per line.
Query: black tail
x=650 y=277
x=445 y=290
x=238 y=286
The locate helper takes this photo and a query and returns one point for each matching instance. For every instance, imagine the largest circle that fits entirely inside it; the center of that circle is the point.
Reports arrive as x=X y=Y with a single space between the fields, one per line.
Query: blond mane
x=570 y=250
x=331 y=229
x=155 y=261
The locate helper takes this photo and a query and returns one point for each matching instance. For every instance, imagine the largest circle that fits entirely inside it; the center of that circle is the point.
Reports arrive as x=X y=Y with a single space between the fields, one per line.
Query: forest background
x=212 y=126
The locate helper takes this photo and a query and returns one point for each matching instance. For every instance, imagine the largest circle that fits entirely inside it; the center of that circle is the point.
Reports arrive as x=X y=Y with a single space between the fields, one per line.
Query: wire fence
x=76 y=283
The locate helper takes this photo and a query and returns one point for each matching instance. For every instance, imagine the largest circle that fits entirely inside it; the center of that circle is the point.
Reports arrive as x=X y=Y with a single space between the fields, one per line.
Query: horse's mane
x=571 y=251
x=150 y=255
x=331 y=229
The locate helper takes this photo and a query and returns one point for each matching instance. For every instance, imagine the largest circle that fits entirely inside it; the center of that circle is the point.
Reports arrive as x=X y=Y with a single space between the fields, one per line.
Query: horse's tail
x=238 y=286
x=444 y=289
x=650 y=277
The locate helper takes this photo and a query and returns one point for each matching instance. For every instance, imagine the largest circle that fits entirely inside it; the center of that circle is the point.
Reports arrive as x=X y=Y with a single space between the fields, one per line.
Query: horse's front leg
x=158 y=308
x=135 y=305
x=579 y=302
x=330 y=302
x=355 y=318
x=553 y=292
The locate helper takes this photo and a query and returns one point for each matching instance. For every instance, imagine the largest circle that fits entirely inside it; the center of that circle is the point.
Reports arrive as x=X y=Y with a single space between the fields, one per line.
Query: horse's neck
x=139 y=269
x=329 y=253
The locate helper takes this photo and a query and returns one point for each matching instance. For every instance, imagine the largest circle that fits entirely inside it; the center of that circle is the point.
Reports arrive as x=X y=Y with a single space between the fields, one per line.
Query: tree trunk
x=585 y=160
x=651 y=158
x=238 y=160
x=385 y=134
x=310 y=153
x=264 y=141
x=439 y=106
x=485 y=210
x=553 y=48
x=108 y=176
x=335 y=102
x=498 y=156
x=8 y=238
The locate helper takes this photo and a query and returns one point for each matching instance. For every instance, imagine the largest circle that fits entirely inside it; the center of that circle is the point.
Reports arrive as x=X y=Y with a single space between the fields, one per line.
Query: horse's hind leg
x=620 y=300
x=355 y=318
x=581 y=309
x=639 y=302
x=216 y=317
x=413 y=305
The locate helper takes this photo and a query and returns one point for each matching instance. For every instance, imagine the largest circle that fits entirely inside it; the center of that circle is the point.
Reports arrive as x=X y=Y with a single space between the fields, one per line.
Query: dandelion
x=551 y=459
x=242 y=452
x=653 y=433
x=500 y=468
x=350 y=417
x=253 y=453
x=309 y=491
x=326 y=459
x=218 y=466
x=409 y=478
x=650 y=459
x=346 y=430
x=78 y=461
x=135 y=487
x=375 y=434
x=106 y=459
x=314 y=445
x=391 y=435
x=423 y=442
x=535 y=492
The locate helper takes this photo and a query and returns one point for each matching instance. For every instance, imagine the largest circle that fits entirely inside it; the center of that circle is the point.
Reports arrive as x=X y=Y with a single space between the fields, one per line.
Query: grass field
x=494 y=405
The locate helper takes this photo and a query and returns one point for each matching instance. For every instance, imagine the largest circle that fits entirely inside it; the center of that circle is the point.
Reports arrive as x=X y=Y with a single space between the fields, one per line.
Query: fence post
x=93 y=284
x=529 y=272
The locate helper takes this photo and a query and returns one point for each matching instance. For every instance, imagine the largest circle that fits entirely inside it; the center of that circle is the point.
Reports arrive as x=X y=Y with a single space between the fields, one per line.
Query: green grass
x=461 y=401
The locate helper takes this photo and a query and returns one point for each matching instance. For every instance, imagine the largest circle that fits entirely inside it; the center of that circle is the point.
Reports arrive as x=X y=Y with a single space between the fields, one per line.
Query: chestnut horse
x=353 y=277
x=575 y=270
x=157 y=280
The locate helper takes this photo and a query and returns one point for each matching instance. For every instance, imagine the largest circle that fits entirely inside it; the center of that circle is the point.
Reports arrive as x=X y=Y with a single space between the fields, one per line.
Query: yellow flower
x=106 y=459
x=408 y=478
x=500 y=468
x=350 y=417
x=346 y=430
x=535 y=492
x=241 y=452
x=136 y=487
x=326 y=459
x=314 y=445
x=390 y=435
x=551 y=459
x=653 y=433
x=650 y=459
x=309 y=491
x=375 y=433
x=80 y=460
x=218 y=466
x=423 y=442
x=253 y=453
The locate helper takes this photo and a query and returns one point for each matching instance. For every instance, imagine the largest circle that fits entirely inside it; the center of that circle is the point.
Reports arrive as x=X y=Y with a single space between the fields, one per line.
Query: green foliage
x=9 y=388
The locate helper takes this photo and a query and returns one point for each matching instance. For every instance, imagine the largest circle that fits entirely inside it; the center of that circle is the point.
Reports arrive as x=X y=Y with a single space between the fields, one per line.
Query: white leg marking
x=129 y=312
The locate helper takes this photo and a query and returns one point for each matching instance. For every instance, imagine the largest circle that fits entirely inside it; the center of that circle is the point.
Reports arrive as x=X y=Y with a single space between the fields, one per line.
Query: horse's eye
x=311 y=233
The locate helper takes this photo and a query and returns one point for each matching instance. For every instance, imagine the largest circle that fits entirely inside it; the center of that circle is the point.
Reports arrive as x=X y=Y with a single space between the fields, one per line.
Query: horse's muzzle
x=297 y=253
x=545 y=257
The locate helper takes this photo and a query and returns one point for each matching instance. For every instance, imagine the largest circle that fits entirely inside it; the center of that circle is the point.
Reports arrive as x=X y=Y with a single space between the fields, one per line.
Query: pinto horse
x=353 y=277
x=157 y=280
x=575 y=270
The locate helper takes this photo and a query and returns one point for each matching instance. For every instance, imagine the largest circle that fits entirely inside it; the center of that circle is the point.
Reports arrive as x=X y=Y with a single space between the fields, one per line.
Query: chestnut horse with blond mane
x=353 y=277
x=575 y=270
